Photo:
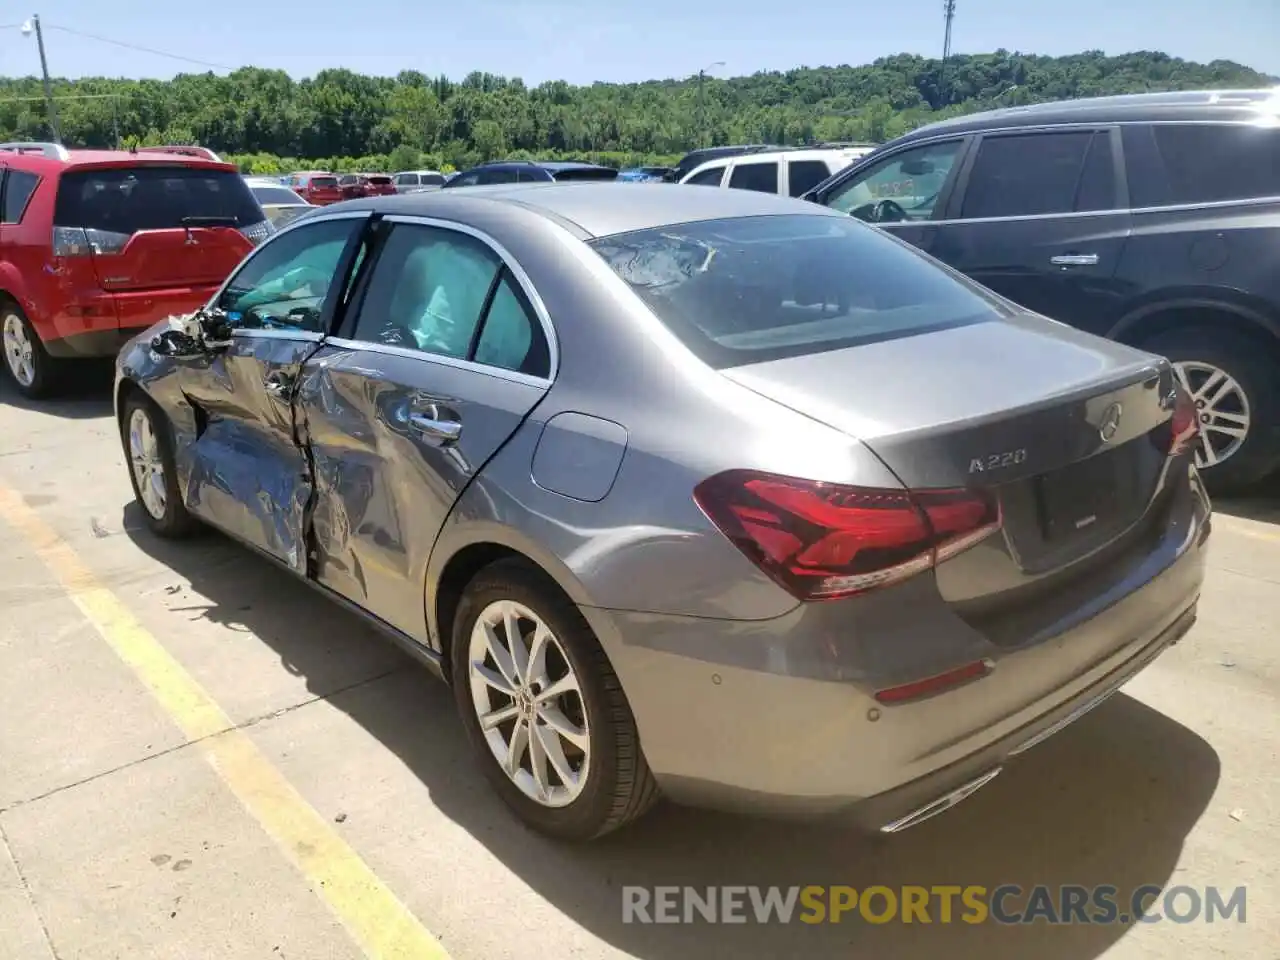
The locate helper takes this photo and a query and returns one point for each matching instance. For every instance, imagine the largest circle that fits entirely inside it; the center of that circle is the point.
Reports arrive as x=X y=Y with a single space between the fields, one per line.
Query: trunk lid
x=155 y=227
x=1063 y=428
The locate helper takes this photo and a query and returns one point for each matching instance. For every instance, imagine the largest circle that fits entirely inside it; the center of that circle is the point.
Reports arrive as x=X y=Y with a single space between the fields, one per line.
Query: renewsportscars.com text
x=1006 y=904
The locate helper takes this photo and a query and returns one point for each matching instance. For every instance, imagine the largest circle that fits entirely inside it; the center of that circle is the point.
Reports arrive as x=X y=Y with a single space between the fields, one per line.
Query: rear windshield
x=753 y=289
x=323 y=181
x=276 y=195
x=586 y=173
x=126 y=200
x=381 y=181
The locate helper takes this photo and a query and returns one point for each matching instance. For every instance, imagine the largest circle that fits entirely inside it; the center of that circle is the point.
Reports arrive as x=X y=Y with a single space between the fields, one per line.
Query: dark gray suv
x=1153 y=219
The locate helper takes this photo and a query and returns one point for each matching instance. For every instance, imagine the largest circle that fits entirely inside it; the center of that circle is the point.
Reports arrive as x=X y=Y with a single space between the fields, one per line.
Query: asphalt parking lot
x=200 y=758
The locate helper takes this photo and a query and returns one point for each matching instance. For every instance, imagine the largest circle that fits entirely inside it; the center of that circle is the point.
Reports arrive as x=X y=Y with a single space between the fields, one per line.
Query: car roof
x=1179 y=105
x=594 y=208
x=40 y=162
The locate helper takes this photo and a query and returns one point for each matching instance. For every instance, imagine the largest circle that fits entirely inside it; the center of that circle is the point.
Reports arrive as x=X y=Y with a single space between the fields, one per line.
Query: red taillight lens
x=81 y=241
x=826 y=540
x=1184 y=425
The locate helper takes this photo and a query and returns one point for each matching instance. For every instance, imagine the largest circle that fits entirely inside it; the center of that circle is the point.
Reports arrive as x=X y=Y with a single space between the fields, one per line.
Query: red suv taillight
x=824 y=540
x=82 y=241
x=1184 y=425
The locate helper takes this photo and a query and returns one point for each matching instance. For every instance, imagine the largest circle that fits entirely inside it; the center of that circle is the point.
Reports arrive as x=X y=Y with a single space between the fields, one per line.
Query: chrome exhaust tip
x=942 y=804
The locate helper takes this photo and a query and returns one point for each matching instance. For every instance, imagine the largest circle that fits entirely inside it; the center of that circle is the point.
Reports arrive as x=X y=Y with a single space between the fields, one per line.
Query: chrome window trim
x=521 y=277
x=423 y=356
x=278 y=333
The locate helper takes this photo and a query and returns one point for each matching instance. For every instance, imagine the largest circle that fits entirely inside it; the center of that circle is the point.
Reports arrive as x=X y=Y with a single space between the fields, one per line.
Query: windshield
x=126 y=200
x=752 y=289
x=275 y=196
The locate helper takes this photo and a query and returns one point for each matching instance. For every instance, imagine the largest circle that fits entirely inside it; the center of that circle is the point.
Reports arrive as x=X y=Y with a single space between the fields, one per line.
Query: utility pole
x=702 y=115
x=948 y=14
x=27 y=28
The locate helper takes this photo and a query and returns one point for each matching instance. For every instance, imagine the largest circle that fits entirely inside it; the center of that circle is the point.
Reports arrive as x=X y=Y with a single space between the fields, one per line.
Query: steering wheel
x=888 y=211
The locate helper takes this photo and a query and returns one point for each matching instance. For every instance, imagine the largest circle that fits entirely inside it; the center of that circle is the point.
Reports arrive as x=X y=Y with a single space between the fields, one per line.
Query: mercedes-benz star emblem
x=1109 y=425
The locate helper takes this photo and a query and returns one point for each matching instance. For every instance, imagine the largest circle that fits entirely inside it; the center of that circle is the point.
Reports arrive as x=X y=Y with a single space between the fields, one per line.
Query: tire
x=169 y=519
x=36 y=375
x=618 y=786
x=1194 y=351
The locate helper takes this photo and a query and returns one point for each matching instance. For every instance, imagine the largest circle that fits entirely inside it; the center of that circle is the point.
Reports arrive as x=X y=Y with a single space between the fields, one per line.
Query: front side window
x=754 y=289
x=284 y=284
x=1026 y=175
x=18 y=187
x=710 y=177
x=903 y=187
x=1202 y=163
x=761 y=177
x=448 y=294
x=804 y=175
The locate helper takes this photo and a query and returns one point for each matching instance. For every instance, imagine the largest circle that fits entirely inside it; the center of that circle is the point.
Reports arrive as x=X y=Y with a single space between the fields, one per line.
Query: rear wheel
x=1236 y=387
x=34 y=373
x=144 y=431
x=543 y=708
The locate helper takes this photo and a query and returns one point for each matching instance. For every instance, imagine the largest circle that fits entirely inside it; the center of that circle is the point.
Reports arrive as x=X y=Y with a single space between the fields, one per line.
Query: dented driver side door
x=249 y=475
x=437 y=364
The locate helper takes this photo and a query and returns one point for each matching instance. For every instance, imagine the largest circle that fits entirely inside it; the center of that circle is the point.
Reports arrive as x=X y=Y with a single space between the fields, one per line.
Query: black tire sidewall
x=1258 y=373
x=588 y=815
x=176 y=521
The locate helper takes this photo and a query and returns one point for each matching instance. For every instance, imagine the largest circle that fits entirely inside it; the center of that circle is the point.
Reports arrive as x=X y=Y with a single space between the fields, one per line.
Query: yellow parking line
x=382 y=925
x=1246 y=528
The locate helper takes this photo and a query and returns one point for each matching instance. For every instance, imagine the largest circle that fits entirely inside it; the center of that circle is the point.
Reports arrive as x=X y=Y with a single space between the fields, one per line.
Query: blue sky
x=617 y=40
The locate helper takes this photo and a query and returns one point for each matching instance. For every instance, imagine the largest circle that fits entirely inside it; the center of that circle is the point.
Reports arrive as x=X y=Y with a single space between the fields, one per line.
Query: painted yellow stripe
x=382 y=925
x=1248 y=528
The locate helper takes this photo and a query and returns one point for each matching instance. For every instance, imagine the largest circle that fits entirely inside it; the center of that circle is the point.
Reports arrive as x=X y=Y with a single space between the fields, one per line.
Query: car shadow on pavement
x=1108 y=801
x=87 y=395
x=1261 y=504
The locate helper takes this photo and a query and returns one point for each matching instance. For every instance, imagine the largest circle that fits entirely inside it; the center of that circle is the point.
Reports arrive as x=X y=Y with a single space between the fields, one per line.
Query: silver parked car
x=713 y=494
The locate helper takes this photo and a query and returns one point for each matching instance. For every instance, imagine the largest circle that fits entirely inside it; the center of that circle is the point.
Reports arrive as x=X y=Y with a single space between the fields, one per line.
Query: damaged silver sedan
x=709 y=493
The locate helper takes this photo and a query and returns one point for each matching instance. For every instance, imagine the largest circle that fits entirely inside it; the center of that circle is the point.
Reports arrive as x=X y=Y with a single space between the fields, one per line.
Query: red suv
x=98 y=244
x=356 y=186
x=319 y=189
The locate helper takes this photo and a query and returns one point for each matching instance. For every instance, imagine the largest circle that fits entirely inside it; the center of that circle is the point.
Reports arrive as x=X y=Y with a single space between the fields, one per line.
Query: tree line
x=339 y=119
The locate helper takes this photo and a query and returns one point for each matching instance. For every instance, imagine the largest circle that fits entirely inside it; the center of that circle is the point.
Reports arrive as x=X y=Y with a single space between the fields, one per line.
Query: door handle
x=443 y=430
x=278 y=384
x=1074 y=260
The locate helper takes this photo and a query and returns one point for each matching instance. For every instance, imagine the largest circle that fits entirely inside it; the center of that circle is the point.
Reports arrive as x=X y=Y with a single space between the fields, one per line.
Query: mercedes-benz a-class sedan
x=714 y=494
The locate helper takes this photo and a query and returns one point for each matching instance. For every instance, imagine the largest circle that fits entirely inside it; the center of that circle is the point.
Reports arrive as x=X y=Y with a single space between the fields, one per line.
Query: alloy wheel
x=529 y=704
x=147 y=463
x=1222 y=407
x=19 y=351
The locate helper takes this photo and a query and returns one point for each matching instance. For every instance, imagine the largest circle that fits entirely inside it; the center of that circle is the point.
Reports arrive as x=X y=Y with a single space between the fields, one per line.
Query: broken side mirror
x=215 y=329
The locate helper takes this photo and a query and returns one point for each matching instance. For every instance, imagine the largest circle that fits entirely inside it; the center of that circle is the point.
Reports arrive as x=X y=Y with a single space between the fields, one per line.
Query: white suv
x=791 y=173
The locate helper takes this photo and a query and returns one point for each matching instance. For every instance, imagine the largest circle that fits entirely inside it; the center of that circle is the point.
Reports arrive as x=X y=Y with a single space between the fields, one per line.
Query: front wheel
x=1235 y=384
x=144 y=431
x=543 y=708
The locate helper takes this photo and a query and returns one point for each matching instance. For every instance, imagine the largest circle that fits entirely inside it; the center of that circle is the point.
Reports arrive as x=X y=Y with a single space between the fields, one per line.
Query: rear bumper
x=119 y=317
x=779 y=717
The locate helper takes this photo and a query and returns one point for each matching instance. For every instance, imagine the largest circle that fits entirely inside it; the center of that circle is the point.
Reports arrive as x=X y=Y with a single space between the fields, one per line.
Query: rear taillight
x=1184 y=425
x=257 y=232
x=81 y=241
x=824 y=540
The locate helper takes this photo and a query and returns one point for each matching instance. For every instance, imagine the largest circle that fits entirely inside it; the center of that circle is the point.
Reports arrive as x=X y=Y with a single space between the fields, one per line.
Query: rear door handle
x=1074 y=260
x=436 y=426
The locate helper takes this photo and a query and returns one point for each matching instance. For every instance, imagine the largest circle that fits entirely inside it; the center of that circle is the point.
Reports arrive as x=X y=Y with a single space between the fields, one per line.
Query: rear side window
x=1026 y=175
x=804 y=175
x=432 y=179
x=761 y=177
x=707 y=178
x=1201 y=163
x=18 y=187
x=127 y=200
x=752 y=289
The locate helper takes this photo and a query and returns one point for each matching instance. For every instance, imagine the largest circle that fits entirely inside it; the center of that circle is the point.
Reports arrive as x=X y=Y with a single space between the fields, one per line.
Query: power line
x=140 y=49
